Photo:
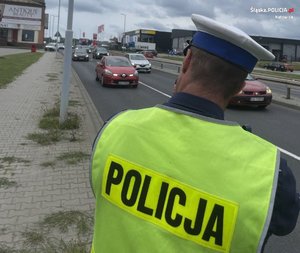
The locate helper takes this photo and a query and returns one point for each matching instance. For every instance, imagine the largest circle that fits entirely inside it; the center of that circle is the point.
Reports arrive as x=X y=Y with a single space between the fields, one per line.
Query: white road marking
x=281 y=149
x=289 y=153
x=155 y=89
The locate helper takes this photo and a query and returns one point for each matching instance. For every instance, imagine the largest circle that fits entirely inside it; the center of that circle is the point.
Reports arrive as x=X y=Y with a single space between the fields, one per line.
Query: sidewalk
x=34 y=182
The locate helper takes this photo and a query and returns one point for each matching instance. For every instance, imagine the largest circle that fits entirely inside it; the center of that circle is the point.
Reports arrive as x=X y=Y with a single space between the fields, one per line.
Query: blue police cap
x=228 y=43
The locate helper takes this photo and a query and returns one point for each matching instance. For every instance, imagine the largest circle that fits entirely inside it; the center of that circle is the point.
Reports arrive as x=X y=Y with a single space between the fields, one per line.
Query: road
x=277 y=124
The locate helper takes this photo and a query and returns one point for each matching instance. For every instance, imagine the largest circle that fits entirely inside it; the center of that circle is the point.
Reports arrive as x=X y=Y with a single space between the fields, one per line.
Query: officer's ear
x=187 y=59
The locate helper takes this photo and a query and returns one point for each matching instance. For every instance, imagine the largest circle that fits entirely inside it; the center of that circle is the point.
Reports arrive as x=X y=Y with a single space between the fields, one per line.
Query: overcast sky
x=271 y=18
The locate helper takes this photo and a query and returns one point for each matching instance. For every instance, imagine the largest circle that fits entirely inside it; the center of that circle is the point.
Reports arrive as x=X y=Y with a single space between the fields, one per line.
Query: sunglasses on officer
x=189 y=42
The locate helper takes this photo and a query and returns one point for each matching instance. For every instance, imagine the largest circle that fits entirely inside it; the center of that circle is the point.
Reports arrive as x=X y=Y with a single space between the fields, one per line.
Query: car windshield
x=117 y=62
x=137 y=57
x=101 y=50
x=80 y=50
x=250 y=78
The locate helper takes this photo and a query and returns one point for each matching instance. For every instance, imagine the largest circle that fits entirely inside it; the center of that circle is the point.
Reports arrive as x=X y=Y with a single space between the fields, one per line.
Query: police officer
x=178 y=177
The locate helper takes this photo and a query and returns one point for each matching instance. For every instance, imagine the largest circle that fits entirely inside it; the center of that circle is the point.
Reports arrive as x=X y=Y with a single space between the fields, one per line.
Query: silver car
x=140 y=62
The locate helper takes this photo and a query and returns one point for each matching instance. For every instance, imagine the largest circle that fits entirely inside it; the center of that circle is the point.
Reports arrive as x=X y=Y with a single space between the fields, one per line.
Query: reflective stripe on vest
x=165 y=181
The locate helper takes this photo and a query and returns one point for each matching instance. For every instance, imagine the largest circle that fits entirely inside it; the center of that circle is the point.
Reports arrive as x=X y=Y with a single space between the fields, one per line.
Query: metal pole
x=53 y=24
x=288 y=92
x=67 y=65
x=124 y=27
x=57 y=33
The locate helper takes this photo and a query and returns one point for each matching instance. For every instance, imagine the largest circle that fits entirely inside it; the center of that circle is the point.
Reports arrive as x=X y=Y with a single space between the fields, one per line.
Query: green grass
x=12 y=66
x=73 y=157
x=283 y=75
x=50 y=120
x=48 y=164
x=261 y=64
x=48 y=235
x=45 y=138
x=174 y=58
x=64 y=220
x=54 y=130
x=13 y=159
x=52 y=77
x=6 y=183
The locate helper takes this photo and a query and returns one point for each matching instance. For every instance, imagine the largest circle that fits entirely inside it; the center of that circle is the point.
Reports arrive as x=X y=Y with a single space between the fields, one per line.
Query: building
x=143 y=39
x=179 y=38
x=23 y=22
x=283 y=49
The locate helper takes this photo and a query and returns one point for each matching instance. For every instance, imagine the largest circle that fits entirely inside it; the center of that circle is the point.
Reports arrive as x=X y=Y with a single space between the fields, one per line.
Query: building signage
x=21 y=17
x=148 y=32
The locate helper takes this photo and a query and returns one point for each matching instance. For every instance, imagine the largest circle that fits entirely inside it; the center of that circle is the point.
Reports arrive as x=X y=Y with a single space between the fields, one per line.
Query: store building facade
x=284 y=49
x=22 y=22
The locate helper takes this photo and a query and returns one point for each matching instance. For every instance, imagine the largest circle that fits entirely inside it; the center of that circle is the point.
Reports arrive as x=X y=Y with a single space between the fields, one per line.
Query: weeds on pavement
x=54 y=130
x=46 y=236
x=73 y=157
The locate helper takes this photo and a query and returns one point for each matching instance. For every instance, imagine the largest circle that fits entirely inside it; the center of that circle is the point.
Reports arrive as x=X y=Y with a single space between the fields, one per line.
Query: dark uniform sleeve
x=287 y=203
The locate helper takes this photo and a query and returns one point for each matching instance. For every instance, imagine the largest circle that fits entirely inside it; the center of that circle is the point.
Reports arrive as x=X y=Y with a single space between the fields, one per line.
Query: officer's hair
x=215 y=74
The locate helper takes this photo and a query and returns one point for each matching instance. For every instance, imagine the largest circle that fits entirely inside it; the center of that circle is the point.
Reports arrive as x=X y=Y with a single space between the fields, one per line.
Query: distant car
x=289 y=67
x=99 y=52
x=140 y=62
x=80 y=54
x=50 y=47
x=147 y=54
x=60 y=46
x=116 y=71
x=279 y=66
x=255 y=93
x=85 y=47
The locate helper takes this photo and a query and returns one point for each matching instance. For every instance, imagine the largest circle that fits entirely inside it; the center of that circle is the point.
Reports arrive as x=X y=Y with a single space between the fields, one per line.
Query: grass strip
x=12 y=66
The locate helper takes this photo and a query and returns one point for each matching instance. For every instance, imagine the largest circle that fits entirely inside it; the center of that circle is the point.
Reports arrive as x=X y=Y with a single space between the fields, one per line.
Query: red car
x=147 y=54
x=255 y=93
x=116 y=71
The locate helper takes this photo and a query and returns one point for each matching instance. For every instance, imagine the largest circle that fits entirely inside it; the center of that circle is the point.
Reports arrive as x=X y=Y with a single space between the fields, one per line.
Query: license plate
x=257 y=99
x=123 y=83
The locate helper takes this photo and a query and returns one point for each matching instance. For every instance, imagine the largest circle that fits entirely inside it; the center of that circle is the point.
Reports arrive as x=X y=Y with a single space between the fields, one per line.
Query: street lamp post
x=124 y=27
x=64 y=98
x=58 y=17
x=52 y=24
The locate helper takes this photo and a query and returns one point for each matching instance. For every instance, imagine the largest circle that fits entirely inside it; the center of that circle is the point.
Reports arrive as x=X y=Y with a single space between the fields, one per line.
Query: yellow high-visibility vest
x=170 y=181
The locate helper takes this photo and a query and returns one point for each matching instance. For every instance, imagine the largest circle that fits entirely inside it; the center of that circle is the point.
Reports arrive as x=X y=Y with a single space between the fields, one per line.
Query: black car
x=99 y=52
x=80 y=54
x=279 y=66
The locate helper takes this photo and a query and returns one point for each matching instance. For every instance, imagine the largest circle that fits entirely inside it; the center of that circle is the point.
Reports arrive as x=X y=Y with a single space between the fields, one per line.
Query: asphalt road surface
x=277 y=124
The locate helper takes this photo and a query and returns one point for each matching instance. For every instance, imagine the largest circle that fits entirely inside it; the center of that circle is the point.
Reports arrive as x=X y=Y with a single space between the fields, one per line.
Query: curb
x=96 y=122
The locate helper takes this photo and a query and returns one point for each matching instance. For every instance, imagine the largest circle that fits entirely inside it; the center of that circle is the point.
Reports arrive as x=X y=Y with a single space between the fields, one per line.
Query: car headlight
x=75 y=55
x=87 y=56
x=107 y=72
x=149 y=64
x=268 y=90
